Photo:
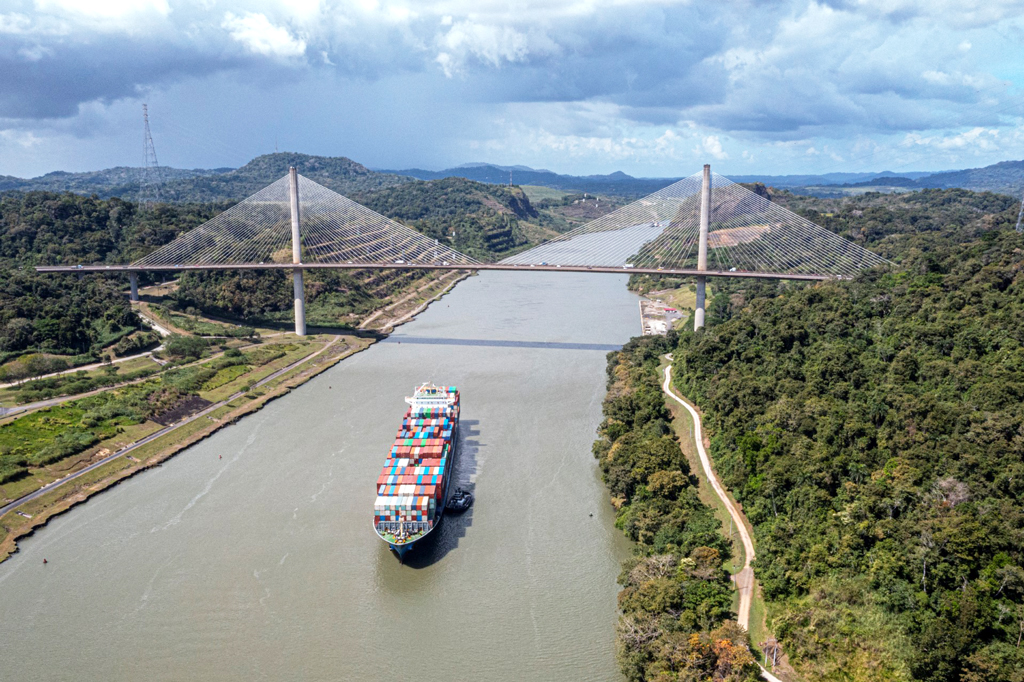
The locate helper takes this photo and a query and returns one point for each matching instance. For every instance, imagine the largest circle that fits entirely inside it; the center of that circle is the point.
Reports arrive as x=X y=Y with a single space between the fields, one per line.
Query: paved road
x=162 y=331
x=153 y=436
x=50 y=402
x=83 y=368
x=745 y=578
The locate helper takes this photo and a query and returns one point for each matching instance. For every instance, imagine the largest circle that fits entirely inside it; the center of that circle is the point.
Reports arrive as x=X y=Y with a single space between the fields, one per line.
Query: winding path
x=745 y=578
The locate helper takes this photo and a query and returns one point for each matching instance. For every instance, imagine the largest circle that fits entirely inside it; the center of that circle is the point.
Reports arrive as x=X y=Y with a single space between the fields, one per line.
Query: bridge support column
x=300 y=291
x=702 y=248
x=698 y=315
x=133 y=281
x=300 y=303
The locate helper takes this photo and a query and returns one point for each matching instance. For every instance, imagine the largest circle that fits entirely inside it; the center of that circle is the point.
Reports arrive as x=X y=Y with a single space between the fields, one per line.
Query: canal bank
x=23 y=516
x=252 y=555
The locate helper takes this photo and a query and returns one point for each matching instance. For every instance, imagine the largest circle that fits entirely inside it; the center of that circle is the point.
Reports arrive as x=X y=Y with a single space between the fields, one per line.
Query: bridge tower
x=702 y=248
x=300 y=292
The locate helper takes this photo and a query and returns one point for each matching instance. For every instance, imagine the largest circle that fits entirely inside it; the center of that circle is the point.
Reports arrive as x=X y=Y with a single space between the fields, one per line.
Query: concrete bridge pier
x=698 y=315
x=300 y=302
x=702 y=248
x=133 y=280
x=300 y=291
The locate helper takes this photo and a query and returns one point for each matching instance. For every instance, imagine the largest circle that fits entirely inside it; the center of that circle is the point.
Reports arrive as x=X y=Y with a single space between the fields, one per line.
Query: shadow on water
x=499 y=343
x=436 y=546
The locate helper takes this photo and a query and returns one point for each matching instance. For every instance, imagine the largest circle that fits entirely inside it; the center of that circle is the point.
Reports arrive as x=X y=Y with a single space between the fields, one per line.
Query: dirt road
x=745 y=578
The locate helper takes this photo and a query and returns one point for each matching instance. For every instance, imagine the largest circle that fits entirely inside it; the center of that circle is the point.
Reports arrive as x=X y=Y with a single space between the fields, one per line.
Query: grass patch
x=199 y=326
x=536 y=193
x=224 y=376
x=81 y=381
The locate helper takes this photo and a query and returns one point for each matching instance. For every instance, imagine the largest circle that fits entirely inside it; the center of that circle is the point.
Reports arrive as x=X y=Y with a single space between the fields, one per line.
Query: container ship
x=413 y=486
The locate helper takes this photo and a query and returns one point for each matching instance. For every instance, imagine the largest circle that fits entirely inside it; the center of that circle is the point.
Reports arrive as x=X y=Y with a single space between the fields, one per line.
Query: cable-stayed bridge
x=705 y=220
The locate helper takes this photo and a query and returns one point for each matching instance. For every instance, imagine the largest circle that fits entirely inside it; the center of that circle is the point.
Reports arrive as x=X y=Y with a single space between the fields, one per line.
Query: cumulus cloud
x=957 y=14
x=977 y=139
x=22 y=138
x=491 y=44
x=258 y=35
x=711 y=146
x=669 y=79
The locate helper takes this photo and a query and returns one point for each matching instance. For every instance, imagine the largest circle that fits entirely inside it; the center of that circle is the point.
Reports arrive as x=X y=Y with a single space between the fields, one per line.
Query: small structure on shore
x=656 y=318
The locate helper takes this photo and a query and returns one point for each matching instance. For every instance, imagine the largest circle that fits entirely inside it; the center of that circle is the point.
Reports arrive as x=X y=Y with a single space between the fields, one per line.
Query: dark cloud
x=67 y=76
x=759 y=71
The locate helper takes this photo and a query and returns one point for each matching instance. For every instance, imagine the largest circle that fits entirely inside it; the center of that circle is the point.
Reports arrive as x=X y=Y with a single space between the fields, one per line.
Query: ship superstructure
x=414 y=484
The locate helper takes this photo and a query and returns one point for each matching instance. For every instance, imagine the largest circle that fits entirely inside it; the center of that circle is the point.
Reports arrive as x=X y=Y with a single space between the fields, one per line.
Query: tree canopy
x=874 y=432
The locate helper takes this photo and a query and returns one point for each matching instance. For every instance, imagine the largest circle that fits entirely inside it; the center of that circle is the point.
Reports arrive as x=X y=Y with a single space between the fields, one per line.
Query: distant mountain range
x=222 y=184
x=119 y=181
x=613 y=183
x=1006 y=177
x=347 y=176
x=826 y=179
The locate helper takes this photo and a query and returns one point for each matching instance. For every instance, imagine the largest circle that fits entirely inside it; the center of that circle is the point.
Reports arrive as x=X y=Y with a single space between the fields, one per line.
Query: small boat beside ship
x=459 y=502
x=413 y=487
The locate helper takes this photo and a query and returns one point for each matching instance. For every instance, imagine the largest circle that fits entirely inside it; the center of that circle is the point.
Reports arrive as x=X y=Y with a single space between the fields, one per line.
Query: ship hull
x=416 y=481
x=403 y=548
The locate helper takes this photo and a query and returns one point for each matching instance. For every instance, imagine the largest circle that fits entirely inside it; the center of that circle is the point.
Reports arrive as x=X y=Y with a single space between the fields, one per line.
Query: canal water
x=251 y=556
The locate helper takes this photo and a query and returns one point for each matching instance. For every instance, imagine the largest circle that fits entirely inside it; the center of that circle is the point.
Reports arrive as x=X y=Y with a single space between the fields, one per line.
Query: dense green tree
x=874 y=432
x=676 y=595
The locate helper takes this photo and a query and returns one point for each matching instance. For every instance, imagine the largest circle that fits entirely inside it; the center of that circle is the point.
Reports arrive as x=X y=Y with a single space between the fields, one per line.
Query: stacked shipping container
x=413 y=485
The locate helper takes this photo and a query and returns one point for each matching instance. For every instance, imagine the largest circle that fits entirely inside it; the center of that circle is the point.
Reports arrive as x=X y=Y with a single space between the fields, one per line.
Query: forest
x=477 y=219
x=61 y=314
x=340 y=174
x=874 y=432
x=177 y=185
x=676 y=593
x=872 y=429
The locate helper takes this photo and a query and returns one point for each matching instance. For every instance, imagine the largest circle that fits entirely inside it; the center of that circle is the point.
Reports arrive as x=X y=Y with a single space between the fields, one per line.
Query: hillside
x=478 y=219
x=617 y=183
x=222 y=184
x=63 y=315
x=346 y=176
x=340 y=174
x=872 y=431
x=1006 y=177
x=826 y=179
x=66 y=316
x=121 y=181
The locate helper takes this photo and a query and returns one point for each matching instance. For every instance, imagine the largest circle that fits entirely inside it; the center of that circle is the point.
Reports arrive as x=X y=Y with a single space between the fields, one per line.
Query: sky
x=655 y=88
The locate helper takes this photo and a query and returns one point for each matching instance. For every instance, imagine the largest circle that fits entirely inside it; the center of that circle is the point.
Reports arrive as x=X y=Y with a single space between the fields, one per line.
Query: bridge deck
x=418 y=266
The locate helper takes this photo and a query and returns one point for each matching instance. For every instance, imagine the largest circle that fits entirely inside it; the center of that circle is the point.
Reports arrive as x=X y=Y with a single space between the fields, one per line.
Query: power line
x=149 y=175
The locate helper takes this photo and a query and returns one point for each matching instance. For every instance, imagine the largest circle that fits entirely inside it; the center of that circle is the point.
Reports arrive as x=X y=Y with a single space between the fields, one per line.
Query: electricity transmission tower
x=149 y=175
x=1020 y=215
